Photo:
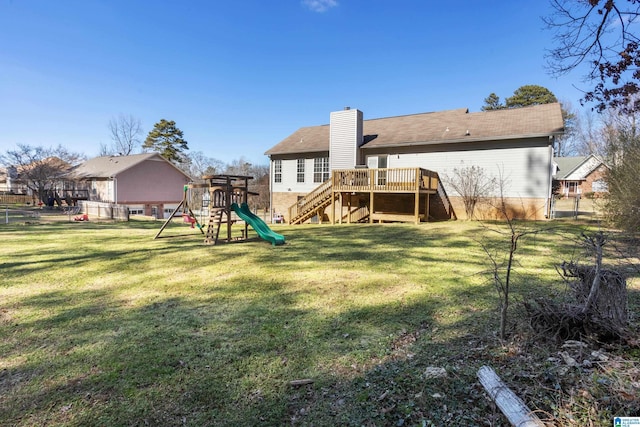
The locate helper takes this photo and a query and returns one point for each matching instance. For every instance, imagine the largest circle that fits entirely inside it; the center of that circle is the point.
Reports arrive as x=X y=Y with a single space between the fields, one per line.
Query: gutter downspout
x=115 y=189
x=550 y=189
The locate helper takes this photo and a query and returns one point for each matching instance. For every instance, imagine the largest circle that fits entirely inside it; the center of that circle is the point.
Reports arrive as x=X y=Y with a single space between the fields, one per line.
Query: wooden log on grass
x=511 y=405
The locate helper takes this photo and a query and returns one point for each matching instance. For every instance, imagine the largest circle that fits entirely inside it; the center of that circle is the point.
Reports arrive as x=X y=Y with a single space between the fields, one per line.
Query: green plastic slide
x=257 y=224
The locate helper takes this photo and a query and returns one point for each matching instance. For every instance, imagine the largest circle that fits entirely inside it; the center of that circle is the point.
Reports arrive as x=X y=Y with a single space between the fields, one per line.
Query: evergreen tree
x=492 y=102
x=167 y=139
x=530 y=95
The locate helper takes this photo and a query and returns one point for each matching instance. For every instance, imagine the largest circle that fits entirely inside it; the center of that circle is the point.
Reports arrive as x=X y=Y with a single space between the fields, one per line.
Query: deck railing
x=392 y=180
x=396 y=180
x=311 y=201
x=445 y=201
x=357 y=214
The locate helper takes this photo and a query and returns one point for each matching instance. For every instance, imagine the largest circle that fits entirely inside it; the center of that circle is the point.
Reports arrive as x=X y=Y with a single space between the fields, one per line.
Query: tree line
x=41 y=168
x=600 y=35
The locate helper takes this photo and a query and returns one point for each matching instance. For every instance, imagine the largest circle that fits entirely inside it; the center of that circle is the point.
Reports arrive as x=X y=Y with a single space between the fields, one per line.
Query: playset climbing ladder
x=227 y=203
x=213 y=226
x=224 y=191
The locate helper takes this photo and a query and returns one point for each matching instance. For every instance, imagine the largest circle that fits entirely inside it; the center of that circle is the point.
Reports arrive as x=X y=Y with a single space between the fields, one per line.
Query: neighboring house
x=6 y=177
x=43 y=179
x=514 y=145
x=580 y=175
x=147 y=183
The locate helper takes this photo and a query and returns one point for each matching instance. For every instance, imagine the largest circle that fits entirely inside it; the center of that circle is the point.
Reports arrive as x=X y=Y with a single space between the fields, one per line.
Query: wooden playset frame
x=224 y=191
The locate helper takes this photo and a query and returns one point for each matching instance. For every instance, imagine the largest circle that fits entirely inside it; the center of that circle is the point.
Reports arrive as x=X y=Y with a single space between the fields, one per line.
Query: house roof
x=451 y=126
x=568 y=165
x=49 y=164
x=111 y=166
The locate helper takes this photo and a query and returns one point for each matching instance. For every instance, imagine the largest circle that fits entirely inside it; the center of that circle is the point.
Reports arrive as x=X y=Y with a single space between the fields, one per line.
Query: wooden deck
x=400 y=180
x=346 y=185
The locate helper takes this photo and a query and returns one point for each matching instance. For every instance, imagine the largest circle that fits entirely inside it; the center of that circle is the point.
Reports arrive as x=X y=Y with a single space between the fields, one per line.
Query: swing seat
x=188 y=219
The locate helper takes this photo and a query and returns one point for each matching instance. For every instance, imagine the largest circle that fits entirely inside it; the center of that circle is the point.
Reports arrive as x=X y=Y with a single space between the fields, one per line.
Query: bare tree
x=125 y=132
x=106 y=150
x=197 y=164
x=473 y=184
x=41 y=169
x=623 y=156
x=566 y=144
x=602 y=35
x=590 y=136
x=503 y=261
x=259 y=184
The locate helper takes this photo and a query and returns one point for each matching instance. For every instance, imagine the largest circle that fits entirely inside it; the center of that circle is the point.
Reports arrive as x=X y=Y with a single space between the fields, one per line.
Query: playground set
x=227 y=194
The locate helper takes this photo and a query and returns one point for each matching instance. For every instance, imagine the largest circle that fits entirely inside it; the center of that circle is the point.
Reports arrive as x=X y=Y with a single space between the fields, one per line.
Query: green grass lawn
x=100 y=324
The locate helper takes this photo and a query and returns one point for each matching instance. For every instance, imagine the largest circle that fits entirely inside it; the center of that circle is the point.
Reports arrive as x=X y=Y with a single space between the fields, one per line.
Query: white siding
x=525 y=171
x=345 y=138
x=289 y=177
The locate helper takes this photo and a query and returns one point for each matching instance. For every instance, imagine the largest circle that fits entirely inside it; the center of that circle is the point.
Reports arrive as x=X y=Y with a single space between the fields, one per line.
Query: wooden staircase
x=417 y=181
x=313 y=203
x=213 y=226
x=444 y=203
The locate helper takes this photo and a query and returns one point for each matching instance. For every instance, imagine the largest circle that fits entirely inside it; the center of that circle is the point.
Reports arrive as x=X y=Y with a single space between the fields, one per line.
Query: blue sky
x=237 y=77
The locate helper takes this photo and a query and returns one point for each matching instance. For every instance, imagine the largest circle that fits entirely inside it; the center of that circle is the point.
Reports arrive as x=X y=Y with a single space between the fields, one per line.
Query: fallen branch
x=512 y=406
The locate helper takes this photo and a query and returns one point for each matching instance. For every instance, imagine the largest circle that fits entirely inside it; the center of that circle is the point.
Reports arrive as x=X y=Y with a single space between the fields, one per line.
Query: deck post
x=426 y=208
x=416 y=207
x=371 y=209
x=333 y=203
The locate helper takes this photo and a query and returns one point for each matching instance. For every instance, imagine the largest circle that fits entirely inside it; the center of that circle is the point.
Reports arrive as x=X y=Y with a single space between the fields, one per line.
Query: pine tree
x=492 y=102
x=167 y=139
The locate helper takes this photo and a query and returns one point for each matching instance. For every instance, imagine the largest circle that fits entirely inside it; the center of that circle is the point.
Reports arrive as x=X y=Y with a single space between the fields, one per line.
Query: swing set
x=188 y=216
x=224 y=191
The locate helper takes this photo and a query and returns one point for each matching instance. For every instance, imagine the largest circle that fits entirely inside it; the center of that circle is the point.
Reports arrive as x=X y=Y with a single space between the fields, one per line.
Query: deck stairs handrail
x=392 y=180
x=442 y=193
x=308 y=206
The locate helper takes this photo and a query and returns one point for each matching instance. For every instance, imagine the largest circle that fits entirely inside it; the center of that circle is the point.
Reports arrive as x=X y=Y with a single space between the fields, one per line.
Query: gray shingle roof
x=111 y=166
x=449 y=126
x=566 y=165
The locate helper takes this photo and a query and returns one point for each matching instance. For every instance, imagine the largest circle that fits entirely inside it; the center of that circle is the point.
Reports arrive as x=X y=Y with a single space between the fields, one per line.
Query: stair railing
x=311 y=201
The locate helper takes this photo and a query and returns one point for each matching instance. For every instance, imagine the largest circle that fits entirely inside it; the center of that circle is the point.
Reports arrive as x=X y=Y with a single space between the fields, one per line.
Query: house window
x=277 y=171
x=136 y=211
x=599 y=186
x=320 y=169
x=300 y=171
